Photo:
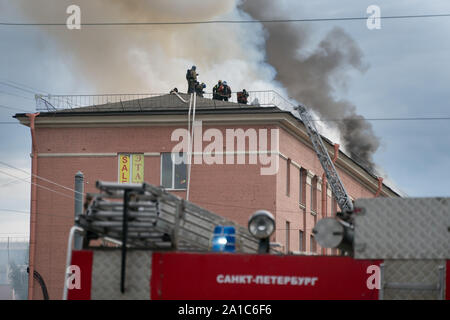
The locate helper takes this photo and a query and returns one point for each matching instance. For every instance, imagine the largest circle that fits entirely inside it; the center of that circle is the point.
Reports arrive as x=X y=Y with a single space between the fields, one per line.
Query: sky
x=407 y=74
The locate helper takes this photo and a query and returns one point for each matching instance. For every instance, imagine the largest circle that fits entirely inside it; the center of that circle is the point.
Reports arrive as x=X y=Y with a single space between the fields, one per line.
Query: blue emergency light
x=224 y=239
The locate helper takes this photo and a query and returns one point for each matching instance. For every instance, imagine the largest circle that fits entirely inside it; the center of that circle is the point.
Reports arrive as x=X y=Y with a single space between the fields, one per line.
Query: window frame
x=288 y=177
x=173 y=171
x=312 y=244
x=302 y=187
x=314 y=191
x=301 y=241
x=288 y=236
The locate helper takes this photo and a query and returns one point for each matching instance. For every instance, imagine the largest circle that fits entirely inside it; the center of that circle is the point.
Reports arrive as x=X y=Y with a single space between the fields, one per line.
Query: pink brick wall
x=234 y=191
x=288 y=209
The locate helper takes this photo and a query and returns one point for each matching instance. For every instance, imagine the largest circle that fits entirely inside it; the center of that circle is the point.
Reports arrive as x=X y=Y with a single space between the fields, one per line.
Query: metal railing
x=144 y=101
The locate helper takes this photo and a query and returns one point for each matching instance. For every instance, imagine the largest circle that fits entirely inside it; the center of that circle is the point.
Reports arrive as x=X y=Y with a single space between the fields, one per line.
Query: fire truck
x=141 y=242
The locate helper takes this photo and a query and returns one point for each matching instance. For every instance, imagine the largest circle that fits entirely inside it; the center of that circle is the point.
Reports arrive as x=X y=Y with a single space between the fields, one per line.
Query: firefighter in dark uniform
x=191 y=77
x=226 y=92
x=199 y=88
x=216 y=90
x=242 y=96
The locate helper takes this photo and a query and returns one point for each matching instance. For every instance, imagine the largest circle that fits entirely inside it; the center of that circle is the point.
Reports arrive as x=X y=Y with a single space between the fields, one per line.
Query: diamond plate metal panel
x=106 y=275
x=396 y=228
x=411 y=272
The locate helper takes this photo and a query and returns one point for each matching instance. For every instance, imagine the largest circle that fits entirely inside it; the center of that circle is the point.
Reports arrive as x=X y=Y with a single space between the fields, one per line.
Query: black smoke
x=311 y=77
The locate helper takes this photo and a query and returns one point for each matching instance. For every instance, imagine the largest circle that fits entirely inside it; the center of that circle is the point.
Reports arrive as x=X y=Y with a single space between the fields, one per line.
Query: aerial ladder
x=338 y=231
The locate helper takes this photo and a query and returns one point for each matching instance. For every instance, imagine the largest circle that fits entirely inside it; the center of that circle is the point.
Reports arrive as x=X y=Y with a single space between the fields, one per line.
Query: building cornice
x=282 y=119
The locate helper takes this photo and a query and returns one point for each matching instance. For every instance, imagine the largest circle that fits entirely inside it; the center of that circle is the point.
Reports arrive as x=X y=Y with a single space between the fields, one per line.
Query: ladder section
x=339 y=192
x=147 y=217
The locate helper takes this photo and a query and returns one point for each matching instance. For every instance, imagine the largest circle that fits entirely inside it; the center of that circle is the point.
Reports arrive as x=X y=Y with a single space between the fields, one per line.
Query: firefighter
x=216 y=90
x=199 y=88
x=226 y=92
x=191 y=77
x=242 y=96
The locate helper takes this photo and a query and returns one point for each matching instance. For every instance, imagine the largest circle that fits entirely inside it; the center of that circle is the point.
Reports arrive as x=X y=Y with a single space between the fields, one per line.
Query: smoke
x=152 y=59
x=312 y=77
x=138 y=59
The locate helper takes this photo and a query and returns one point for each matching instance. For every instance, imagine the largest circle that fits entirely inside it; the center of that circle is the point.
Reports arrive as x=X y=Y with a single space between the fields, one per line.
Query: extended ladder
x=339 y=192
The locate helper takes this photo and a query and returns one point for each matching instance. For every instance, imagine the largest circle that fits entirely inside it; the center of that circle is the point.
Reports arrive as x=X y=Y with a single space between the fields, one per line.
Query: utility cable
x=38 y=185
x=42 y=178
x=153 y=23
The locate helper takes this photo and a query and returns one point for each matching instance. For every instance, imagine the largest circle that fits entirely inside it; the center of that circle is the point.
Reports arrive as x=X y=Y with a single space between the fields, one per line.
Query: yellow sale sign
x=131 y=168
x=138 y=168
x=124 y=168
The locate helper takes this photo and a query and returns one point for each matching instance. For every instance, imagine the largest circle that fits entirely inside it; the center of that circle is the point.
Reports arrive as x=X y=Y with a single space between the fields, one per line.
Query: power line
x=42 y=178
x=25 y=86
x=15 y=211
x=38 y=185
x=10 y=182
x=386 y=119
x=150 y=23
x=16 y=95
x=16 y=87
x=14 y=108
x=316 y=120
x=255 y=208
x=38 y=213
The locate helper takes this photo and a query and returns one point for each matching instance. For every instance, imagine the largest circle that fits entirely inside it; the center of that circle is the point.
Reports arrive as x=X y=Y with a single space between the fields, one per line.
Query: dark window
x=334 y=207
x=288 y=226
x=288 y=177
x=302 y=186
x=173 y=170
x=300 y=241
x=312 y=244
x=314 y=194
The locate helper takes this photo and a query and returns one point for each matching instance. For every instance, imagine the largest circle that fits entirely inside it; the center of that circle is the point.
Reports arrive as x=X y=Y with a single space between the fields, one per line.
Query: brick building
x=92 y=140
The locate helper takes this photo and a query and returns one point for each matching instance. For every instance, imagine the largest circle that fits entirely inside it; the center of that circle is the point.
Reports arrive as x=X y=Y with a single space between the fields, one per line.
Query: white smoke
x=135 y=59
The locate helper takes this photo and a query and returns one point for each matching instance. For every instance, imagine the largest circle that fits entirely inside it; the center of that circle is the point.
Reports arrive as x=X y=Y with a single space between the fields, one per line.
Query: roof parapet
x=146 y=101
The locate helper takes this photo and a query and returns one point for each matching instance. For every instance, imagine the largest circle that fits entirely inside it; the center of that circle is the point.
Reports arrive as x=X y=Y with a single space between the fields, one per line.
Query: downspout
x=380 y=186
x=324 y=187
x=33 y=212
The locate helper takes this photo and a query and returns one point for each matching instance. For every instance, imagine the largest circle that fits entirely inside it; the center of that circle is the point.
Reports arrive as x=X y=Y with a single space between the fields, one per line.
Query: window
x=173 y=170
x=288 y=177
x=312 y=244
x=300 y=241
x=314 y=194
x=131 y=168
x=334 y=207
x=288 y=226
x=302 y=187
